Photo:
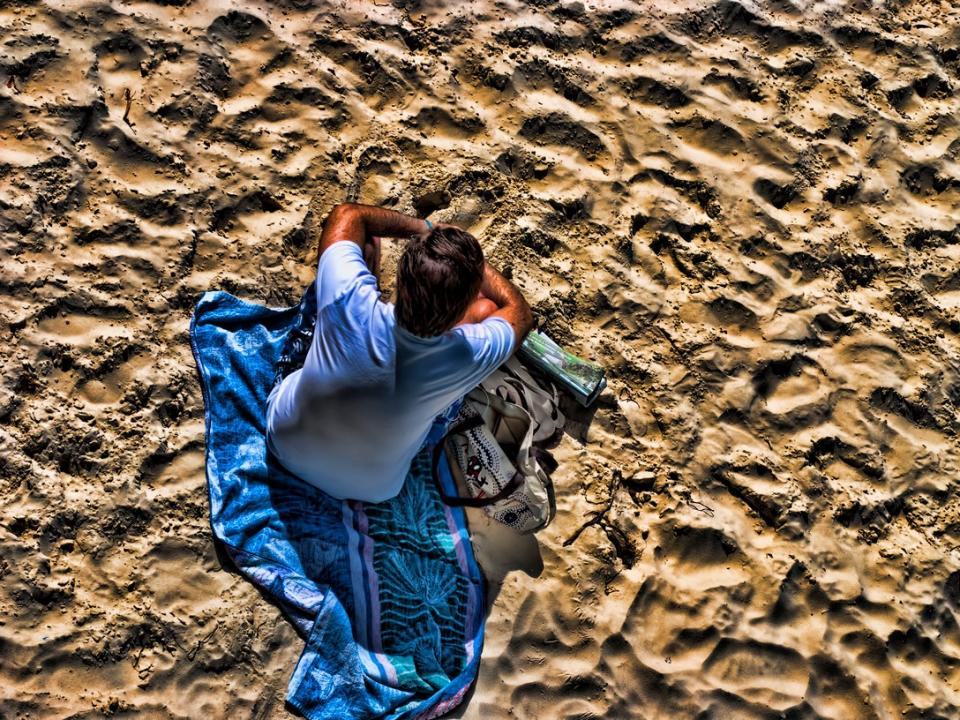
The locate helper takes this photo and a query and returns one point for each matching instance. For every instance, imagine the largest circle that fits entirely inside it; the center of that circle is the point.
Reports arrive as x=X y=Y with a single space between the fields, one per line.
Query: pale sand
x=747 y=213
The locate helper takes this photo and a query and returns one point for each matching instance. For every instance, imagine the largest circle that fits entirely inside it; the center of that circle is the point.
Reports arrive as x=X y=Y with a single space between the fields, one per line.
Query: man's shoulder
x=362 y=321
x=488 y=341
x=340 y=272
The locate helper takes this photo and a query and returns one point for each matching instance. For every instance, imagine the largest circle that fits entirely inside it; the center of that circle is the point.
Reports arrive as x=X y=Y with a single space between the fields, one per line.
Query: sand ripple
x=746 y=210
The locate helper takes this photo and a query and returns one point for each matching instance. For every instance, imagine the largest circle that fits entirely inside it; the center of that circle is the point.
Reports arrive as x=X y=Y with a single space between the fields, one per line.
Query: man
x=352 y=419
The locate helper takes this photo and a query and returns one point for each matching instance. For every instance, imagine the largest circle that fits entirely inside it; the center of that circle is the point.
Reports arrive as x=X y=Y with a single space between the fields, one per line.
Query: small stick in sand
x=129 y=100
x=12 y=83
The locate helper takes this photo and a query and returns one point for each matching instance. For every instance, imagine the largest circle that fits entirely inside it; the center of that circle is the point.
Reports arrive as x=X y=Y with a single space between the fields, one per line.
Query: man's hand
x=511 y=304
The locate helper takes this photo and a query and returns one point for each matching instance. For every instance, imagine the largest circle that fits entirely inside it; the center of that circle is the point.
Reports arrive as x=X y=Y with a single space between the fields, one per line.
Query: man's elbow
x=339 y=213
x=345 y=207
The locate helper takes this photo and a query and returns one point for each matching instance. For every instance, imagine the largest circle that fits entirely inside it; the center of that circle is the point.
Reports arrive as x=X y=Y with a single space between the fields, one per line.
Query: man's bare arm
x=512 y=306
x=352 y=221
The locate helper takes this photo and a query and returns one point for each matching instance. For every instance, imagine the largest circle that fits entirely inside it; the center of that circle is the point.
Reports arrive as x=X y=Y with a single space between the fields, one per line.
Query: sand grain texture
x=748 y=212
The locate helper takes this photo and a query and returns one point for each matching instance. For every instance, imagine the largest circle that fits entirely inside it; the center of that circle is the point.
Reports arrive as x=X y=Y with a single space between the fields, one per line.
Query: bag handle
x=458 y=500
x=513 y=383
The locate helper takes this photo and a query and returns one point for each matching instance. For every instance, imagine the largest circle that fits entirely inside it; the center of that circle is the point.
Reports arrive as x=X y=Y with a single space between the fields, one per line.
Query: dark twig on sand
x=129 y=100
x=202 y=641
x=700 y=507
x=623 y=546
x=12 y=84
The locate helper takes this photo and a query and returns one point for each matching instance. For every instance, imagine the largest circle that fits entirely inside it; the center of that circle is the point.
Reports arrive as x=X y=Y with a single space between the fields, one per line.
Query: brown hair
x=438 y=276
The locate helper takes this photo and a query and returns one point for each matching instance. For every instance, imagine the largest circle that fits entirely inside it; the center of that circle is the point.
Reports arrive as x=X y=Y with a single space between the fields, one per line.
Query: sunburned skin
x=366 y=224
x=479 y=310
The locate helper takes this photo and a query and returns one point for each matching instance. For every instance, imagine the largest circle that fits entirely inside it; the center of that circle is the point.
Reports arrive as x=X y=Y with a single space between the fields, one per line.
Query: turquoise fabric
x=388 y=596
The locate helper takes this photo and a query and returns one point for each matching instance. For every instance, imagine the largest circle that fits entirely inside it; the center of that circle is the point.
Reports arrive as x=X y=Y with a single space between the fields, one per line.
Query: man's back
x=352 y=419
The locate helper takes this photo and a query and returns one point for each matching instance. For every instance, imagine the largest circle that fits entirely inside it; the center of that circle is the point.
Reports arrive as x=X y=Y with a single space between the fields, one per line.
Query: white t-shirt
x=353 y=418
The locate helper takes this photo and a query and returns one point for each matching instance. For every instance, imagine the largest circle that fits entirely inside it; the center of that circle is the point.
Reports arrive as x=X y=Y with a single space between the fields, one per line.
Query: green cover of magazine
x=581 y=378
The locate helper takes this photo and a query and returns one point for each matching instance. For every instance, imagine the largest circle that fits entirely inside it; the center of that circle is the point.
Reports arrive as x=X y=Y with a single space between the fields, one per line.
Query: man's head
x=438 y=276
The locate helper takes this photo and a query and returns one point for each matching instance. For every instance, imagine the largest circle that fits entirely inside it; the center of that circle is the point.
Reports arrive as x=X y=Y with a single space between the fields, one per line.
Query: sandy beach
x=747 y=212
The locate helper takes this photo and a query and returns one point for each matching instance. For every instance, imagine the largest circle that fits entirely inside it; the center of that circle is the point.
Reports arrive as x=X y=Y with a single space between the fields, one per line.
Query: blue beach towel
x=388 y=596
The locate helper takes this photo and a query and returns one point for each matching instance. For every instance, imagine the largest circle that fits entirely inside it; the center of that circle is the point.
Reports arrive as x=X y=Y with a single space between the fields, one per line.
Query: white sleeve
x=491 y=343
x=341 y=267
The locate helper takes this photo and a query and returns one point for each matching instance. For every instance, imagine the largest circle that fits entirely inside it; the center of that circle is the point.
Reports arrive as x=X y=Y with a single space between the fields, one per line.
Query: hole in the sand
x=431 y=202
x=776 y=195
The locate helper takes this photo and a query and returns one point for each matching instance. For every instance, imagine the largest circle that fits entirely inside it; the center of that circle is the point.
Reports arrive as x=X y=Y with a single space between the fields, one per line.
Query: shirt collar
x=410 y=337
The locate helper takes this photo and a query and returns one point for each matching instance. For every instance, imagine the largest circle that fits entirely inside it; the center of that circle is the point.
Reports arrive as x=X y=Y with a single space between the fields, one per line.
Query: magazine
x=581 y=378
